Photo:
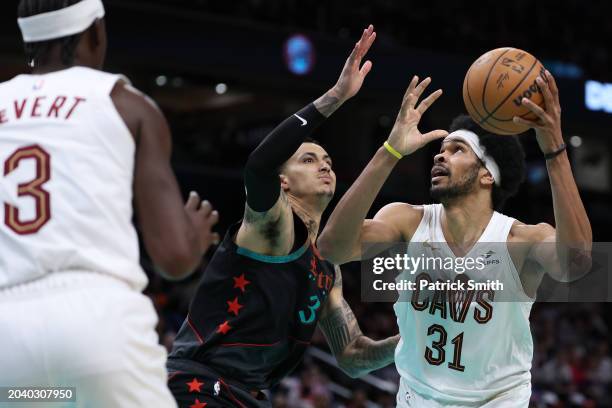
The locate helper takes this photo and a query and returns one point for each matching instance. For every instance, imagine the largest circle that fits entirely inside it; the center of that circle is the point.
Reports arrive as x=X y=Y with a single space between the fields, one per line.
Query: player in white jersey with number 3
x=481 y=356
x=77 y=145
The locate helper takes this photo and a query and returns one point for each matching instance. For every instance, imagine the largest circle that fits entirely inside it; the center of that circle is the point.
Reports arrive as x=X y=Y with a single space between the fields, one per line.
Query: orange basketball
x=496 y=83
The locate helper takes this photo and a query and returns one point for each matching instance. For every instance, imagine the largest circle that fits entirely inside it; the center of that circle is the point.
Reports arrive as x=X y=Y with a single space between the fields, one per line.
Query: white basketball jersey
x=66 y=173
x=474 y=357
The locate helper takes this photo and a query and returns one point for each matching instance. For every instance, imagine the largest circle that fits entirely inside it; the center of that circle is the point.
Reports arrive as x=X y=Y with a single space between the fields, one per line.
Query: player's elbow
x=331 y=249
x=352 y=372
x=177 y=261
x=325 y=248
x=579 y=264
x=582 y=262
x=347 y=365
x=330 y=255
x=178 y=269
x=572 y=264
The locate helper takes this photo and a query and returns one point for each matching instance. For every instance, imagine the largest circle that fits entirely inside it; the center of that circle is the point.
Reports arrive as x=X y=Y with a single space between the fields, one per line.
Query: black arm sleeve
x=261 y=170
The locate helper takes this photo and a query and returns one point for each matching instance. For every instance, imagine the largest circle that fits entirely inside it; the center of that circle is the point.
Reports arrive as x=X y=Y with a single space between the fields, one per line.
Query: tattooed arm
x=356 y=354
x=267 y=227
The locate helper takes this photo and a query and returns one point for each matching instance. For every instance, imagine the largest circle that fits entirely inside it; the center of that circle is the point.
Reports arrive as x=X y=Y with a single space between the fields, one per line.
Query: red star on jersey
x=240 y=282
x=316 y=252
x=195 y=385
x=233 y=306
x=224 y=327
x=198 y=404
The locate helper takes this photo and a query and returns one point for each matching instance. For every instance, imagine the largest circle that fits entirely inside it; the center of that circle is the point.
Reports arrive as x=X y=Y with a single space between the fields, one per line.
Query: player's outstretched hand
x=203 y=218
x=352 y=75
x=548 y=124
x=405 y=136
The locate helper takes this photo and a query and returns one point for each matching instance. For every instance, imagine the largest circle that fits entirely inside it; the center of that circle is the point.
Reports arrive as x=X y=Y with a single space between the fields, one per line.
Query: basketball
x=496 y=83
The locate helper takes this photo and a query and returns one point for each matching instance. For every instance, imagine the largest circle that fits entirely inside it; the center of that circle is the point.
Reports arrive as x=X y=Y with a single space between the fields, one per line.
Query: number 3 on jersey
x=33 y=188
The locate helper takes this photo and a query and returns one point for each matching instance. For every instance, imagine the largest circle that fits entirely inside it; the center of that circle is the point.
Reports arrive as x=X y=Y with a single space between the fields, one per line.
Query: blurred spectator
x=359 y=400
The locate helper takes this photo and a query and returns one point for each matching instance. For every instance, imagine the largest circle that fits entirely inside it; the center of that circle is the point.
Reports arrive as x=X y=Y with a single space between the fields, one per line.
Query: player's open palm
x=352 y=75
x=405 y=136
x=203 y=218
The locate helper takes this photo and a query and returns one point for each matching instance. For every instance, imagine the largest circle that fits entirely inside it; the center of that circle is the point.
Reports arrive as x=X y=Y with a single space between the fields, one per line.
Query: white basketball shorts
x=515 y=398
x=83 y=330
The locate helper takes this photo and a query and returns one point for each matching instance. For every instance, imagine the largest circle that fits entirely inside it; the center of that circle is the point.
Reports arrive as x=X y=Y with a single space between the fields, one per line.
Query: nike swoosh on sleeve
x=304 y=121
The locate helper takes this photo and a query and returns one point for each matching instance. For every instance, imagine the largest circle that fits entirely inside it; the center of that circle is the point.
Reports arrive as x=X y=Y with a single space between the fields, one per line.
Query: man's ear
x=284 y=182
x=486 y=177
x=96 y=32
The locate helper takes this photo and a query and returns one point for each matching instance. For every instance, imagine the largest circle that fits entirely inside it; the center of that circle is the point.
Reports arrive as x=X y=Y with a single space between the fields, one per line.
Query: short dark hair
x=38 y=50
x=507 y=152
x=309 y=139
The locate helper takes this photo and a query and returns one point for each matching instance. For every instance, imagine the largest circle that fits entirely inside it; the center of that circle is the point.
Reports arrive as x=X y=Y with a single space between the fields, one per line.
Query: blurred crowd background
x=226 y=72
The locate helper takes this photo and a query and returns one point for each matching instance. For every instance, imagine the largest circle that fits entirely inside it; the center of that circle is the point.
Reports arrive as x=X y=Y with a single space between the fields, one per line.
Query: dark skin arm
x=357 y=355
x=175 y=235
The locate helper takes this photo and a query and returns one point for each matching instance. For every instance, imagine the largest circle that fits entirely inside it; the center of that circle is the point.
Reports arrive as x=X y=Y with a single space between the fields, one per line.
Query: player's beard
x=326 y=193
x=325 y=196
x=456 y=189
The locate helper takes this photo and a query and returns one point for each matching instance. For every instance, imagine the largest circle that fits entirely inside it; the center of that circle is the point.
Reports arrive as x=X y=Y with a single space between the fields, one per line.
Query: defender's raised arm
x=267 y=212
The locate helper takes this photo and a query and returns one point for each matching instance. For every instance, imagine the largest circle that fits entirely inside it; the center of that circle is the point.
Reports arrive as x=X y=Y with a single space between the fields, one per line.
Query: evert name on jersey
x=59 y=106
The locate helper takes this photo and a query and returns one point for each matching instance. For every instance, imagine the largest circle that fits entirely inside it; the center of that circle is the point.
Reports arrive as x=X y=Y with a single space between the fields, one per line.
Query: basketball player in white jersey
x=485 y=359
x=77 y=146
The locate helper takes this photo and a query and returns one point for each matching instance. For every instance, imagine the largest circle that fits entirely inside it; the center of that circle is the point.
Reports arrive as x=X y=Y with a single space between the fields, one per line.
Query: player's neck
x=465 y=219
x=52 y=62
x=46 y=68
x=309 y=214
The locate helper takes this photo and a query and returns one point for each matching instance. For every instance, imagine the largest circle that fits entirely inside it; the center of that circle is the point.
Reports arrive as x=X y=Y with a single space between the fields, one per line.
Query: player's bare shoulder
x=523 y=238
x=135 y=107
x=403 y=217
x=526 y=246
x=530 y=233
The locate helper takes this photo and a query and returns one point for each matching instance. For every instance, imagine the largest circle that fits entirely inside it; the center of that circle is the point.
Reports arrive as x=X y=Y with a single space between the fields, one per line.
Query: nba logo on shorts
x=408 y=397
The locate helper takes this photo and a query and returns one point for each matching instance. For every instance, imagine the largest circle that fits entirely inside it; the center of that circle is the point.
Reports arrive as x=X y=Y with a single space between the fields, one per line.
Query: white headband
x=61 y=23
x=472 y=140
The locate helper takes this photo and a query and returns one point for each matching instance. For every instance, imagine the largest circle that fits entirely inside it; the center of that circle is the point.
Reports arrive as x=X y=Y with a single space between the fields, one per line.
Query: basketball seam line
x=467 y=84
x=480 y=116
x=524 y=115
x=484 y=86
x=476 y=110
x=511 y=92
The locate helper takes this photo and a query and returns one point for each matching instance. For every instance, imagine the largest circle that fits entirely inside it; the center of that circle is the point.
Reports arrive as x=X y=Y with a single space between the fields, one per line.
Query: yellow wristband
x=392 y=150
